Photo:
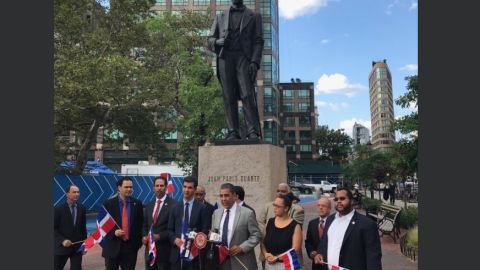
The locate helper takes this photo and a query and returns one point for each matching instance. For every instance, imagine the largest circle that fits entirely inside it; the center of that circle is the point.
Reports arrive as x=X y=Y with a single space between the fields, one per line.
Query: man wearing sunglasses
x=351 y=240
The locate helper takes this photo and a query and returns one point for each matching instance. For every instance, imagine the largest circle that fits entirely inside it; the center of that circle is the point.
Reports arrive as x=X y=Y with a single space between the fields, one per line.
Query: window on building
x=304 y=121
x=289 y=122
x=287 y=93
x=288 y=106
x=290 y=148
x=224 y=2
x=201 y=2
x=289 y=135
x=179 y=2
x=305 y=148
x=161 y=2
x=305 y=135
x=304 y=93
x=303 y=107
x=270 y=132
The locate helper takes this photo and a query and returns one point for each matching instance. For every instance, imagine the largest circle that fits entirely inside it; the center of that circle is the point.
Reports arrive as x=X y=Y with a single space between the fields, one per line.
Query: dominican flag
x=336 y=267
x=222 y=253
x=290 y=260
x=152 y=249
x=170 y=187
x=105 y=224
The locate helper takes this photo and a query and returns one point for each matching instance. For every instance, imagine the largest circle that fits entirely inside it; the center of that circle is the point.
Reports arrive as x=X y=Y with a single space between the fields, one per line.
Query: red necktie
x=321 y=229
x=157 y=210
x=125 y=220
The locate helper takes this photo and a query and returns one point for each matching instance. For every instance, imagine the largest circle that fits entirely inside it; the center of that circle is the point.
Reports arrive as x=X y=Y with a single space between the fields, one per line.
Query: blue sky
x=333 y=43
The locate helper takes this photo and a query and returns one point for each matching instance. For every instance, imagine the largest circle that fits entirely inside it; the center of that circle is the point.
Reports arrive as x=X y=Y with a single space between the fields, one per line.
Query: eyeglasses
x=339 y=198
x=278 y=206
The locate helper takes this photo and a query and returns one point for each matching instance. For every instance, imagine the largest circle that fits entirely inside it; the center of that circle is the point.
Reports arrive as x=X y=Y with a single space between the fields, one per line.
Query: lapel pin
x=353 y=222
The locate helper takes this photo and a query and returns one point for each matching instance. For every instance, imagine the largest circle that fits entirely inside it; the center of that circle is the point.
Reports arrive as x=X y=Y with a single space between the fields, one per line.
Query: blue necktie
x=225 y=229
x=74 y=213
x=185 y=215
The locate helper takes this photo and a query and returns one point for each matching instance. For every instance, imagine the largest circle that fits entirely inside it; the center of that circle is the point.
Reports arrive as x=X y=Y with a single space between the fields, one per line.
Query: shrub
x=371 y=205
x=412 y=237
x=408 y=217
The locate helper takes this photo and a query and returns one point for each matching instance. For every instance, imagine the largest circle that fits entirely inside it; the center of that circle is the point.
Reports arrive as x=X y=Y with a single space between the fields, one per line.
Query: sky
x=332 y=43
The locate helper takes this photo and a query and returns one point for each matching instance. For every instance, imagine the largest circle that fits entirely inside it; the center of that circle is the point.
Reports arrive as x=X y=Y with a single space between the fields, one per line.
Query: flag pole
x=78 y=242
x=240 y=262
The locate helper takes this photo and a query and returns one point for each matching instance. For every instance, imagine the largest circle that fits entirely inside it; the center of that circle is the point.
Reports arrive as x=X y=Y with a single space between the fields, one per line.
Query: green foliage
x=412 y=237
x=334 y=145
x=408 y=217
x=370 y=203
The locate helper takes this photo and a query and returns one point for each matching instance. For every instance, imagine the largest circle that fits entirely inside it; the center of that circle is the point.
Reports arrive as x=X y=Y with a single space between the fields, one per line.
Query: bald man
x=296 y=212
x=316 y=229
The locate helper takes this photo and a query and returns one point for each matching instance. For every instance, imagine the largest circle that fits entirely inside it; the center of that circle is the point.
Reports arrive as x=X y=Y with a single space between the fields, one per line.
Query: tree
x=405 y=159
x=98 y=80
x=334 y=145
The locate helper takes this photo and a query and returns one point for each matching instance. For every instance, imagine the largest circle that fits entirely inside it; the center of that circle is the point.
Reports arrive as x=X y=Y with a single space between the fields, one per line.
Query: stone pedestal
x=258 y=168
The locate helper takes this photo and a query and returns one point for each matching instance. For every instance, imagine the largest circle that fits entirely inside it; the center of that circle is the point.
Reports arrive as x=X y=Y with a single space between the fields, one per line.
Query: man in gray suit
x=237 y=39
x=239 y=230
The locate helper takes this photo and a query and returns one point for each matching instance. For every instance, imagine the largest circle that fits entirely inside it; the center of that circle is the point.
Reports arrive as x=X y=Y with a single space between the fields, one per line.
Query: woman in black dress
x=281 y=234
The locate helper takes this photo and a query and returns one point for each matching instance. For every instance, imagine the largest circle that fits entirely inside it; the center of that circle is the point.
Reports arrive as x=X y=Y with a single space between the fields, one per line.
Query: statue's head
x=237 y=2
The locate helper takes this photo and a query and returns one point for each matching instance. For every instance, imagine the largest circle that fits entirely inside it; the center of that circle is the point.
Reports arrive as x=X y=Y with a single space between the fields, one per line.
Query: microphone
x=211 y=251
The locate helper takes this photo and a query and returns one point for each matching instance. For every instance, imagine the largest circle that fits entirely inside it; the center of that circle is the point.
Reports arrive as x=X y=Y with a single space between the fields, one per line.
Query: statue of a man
x=237 y=39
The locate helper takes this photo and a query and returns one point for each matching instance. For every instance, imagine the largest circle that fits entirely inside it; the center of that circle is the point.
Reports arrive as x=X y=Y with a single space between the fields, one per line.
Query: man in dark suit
x=352 y=240
x=121 y=244
x=316 y=229
x=193 y=213
x=240 y=193
x=236 y=37
x=157 y=213
x=69 y=226
x=200 y=196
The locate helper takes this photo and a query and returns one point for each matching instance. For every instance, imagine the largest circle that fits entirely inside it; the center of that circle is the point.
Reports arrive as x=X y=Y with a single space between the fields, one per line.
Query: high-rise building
x=360 y=134
x=268 y=75
x=381 y=105
x=297 y=119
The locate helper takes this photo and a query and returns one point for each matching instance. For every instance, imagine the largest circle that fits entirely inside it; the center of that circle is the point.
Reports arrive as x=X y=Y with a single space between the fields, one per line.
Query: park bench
x=387 y=220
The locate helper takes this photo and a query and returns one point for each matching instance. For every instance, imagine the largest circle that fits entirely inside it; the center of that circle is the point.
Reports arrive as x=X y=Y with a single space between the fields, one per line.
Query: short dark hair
x=239 y=191
x=228 y=186
x=121 y=180
x=287 y=200
x=67 y=190
x=160 y=177
x=191 y=179
x=349 y=192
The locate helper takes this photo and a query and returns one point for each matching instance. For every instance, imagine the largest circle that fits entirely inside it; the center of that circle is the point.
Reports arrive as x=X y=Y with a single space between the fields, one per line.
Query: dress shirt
x=336 y=232
x=231 y=218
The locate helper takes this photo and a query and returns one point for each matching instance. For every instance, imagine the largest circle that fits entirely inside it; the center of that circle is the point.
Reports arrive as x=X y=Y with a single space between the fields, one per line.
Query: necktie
x=225 y=229
x=125 y=220
x=157 y=210
x=185 y=215
x=74 y=213
x=321 y=229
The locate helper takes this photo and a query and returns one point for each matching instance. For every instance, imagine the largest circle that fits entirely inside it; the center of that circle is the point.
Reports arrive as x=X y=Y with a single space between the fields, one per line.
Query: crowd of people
x=339 y=236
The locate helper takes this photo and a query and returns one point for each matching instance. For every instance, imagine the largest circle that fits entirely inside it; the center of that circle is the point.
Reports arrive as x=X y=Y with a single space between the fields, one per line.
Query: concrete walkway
x=392 y=258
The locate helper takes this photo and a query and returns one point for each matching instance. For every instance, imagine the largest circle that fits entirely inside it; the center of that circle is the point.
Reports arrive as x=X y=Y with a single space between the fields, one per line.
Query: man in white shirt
x=351 y=239
x=239 y=230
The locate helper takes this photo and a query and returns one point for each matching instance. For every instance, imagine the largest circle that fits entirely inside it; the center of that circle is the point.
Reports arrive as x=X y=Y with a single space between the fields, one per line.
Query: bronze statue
x=237 y=39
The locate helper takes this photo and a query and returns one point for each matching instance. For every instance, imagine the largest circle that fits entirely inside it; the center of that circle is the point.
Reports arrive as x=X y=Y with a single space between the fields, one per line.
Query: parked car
x=324 y=186
x=301 y=188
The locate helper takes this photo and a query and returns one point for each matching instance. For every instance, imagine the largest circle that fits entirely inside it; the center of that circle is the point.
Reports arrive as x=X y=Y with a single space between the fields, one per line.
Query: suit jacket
x=312 y=240
x=160 y=227
x=111 y=246
x=199 y=220
x=63 y=228
x=246 y=234
x=249 y=207
x=361 y=248
x=251 y=33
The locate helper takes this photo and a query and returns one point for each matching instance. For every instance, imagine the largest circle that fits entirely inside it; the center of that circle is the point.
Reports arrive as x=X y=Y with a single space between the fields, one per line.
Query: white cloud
x=325 y=41
x=337 y=84
x=413 y=6
x=390 y=7
x=332 y=106
x=347 y=125
x=410 y=67
x=291 y=9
